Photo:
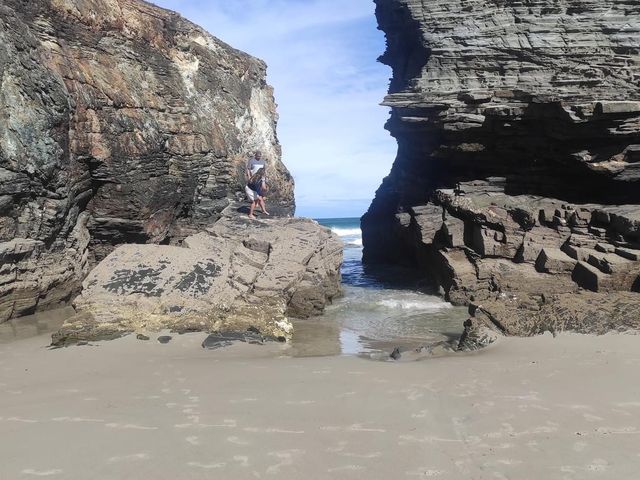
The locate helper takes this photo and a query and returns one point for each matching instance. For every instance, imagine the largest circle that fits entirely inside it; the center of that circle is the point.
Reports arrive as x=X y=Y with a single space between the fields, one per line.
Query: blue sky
x=321 y=57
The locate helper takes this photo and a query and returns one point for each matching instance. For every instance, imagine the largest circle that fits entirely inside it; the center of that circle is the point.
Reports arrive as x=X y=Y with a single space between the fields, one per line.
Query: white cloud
x=321 y=56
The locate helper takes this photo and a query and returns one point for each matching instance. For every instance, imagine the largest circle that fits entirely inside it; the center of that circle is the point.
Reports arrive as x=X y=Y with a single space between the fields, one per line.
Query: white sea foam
x=346 y=232
x=357 y=242
x=414 y=304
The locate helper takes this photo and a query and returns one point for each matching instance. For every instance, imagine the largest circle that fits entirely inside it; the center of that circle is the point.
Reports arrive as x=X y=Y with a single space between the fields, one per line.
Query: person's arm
x=247 y=170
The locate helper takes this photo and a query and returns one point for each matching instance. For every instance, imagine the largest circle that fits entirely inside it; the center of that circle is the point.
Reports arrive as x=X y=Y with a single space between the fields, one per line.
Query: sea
x=382 y=308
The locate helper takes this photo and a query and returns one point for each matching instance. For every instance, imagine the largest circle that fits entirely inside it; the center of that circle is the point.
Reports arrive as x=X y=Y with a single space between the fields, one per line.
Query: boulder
x=237 y=275
x=554 y=260
x=477 y=334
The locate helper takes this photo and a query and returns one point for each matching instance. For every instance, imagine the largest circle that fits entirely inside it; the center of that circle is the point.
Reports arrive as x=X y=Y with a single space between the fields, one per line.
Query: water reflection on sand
x=41 y=323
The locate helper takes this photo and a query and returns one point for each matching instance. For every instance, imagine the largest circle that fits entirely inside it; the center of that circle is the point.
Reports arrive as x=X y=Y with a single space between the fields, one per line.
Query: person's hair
x=257 y=152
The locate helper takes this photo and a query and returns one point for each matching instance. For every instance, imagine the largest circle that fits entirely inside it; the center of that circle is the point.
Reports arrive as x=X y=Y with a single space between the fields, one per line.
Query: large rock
x=521 y=123
x=236 y=275
x=120 y=122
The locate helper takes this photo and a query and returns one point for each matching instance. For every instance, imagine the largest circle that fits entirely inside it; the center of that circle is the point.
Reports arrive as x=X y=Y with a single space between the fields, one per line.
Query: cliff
x=516 y=188
x=120 y=122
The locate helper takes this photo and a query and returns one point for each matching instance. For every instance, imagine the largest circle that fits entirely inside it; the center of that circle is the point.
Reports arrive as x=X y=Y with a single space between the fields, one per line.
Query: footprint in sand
x=237 y=441
x=271 y=430
x=508 y=461
x=598 y=465
x=21 y=420
x=243 y=460
x=129 y=426
x=41 y=473
x=129 y=458
x=580 y=446
x=207 y=466
x=628 y=404
x=345 y=468
x=286 y=460
x=361 y=455
x=592 y=418
x=346 y=394
x=425 y=473
x=339 y=448
x=77 y=419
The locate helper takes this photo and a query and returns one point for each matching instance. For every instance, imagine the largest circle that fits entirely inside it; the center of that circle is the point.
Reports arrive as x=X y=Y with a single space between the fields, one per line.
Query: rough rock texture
x=237 y=275
x=517 y=181
x=118 y=121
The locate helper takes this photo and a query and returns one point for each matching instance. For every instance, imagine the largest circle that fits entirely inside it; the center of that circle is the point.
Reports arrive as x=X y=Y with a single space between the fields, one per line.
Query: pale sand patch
x=563 y=408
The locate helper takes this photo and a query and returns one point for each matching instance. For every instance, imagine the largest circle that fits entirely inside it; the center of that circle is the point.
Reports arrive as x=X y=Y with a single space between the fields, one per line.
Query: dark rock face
x=119 y=122
x=517 y=181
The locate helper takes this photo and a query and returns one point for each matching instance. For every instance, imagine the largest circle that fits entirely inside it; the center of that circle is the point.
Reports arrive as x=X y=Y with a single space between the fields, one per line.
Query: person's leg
x=262 y=205
x=252 y=196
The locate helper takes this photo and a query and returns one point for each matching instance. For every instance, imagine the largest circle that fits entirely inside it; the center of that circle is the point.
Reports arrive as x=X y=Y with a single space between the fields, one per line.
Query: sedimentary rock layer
x=517 y=180
x=237 y=275
x=118 y=122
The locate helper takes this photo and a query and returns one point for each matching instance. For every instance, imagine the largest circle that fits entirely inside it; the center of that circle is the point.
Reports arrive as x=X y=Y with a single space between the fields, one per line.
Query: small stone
x=164 y=339
x=225 y=339
x=395 y=355
x=213 y=342
x=140 y=336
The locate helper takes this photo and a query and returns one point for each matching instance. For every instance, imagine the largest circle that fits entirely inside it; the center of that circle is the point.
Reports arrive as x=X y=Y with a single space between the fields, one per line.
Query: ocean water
x=382 y=308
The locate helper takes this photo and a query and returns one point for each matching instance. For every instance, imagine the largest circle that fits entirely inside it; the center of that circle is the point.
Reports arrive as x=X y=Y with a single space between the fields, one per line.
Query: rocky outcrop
x=238 y=275
x=120 y=122
x=517 y=182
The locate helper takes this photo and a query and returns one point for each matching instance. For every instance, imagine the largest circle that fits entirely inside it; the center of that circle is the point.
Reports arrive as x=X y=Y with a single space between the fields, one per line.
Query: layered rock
x=119 y=122
x=517 y=182
x=237 y=275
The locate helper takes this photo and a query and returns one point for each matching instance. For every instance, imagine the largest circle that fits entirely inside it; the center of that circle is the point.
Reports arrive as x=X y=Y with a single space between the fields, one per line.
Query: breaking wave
x=346 y=232
x=436 y=304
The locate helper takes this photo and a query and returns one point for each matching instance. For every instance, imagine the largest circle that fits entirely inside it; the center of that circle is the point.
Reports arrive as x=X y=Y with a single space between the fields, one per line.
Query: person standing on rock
x=256 y=183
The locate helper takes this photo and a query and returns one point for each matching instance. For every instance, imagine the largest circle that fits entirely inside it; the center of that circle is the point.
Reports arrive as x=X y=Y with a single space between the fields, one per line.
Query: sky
x=321 y=57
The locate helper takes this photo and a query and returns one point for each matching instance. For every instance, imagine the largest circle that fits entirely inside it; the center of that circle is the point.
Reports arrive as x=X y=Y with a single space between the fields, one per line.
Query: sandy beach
x=544 y=407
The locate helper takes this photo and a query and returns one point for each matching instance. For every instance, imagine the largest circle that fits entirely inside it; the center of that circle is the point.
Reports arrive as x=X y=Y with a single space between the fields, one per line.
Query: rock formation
x=120 y=122
x=237 y=275
x=517 y=182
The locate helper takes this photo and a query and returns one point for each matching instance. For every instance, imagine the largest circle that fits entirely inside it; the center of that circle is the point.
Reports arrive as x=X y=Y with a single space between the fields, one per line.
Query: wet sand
x=563 y=408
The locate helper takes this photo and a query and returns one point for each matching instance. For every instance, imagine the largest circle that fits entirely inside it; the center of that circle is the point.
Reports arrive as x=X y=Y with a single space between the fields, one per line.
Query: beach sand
x=536 y=408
